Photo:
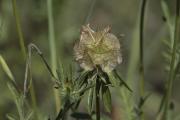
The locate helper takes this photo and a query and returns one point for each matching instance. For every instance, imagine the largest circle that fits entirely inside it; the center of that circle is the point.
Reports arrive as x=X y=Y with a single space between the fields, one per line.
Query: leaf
x=91 y=100
x=81 y=115
x=10 y=117
x=31 y=47
x=112 y=79
x=122 y=81
x=168 y=44
x=86 y=88
x=83 y=77
x=17 y=98
x=177 y=69
x=76 y=105
x=62 y=113
x=167 y=15
x=161 y=105
x=13 y=91
x=59 y=76
x=106 y=96
x=6 y=69
x=143 y=100
x=104 y=76
x=29 y=115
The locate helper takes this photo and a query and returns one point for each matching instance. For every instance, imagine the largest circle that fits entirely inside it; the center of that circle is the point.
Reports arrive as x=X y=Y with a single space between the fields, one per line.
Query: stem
x=52 y=46
x=19 y=30
x=98 y=116
x=141 y=68
x=172 y=64
x=23 y=50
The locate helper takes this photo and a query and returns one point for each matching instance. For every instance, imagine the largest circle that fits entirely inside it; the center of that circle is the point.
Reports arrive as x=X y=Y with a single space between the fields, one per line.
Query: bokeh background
x=69 y=16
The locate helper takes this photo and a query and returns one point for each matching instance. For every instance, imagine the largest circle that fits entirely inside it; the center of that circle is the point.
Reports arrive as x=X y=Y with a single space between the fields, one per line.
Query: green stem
x=141 y=68
x=19 y=30
x=98 y=115
x=23 y=50
x=172 y=64
x=52 y=46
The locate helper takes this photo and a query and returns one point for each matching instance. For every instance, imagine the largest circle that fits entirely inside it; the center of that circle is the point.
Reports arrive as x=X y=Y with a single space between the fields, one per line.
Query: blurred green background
x=69 y=16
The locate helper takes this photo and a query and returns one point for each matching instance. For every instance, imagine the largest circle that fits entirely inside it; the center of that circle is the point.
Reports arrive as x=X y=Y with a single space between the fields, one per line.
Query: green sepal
x=106 y=97
x=91 y=100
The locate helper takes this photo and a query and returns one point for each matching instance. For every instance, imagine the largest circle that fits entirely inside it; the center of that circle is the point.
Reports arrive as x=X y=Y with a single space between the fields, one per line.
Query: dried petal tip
x=100 y=48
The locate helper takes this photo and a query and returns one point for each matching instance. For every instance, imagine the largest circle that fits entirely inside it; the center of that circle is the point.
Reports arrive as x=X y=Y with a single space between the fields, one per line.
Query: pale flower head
x=100 y=48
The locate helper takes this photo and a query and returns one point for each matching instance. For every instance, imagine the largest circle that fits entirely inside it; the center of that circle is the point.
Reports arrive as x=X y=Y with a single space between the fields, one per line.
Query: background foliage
x=69 y=16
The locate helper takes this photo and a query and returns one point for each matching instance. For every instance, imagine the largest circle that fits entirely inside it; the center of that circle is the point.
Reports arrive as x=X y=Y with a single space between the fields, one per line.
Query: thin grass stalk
x=171 y=77
x=23 y=49
x=52 y=46
x=19 y=30
x=141 y=67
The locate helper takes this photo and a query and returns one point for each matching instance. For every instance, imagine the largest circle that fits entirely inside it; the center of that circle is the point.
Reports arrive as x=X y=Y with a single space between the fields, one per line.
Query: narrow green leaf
x=58 y=75
x=122 y=82
x=17 y=98
x=31 y=47
x=91 y=100
x=13 y=91
x=112 y=79
x=83 y=77
x=80 y=115
x=167 y=43
x=106 y=96
x=76 y=104
x=61 y=71
x=29 y=115
x=10 y=117
x=6 y=68
x=162 y=103
x=87 y=88
x=168 y=17
x=62 y=113
x=143 y=100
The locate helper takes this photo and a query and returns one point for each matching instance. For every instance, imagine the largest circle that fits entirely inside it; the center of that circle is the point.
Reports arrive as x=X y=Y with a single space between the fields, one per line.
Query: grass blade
x=19 y=30
x=6 y=69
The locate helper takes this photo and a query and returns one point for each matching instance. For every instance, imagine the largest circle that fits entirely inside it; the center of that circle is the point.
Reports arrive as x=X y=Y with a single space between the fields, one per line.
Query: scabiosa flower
x=100 y=48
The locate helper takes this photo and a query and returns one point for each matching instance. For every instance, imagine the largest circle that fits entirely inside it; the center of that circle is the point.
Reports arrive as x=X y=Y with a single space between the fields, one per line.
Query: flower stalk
x=98 y=114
